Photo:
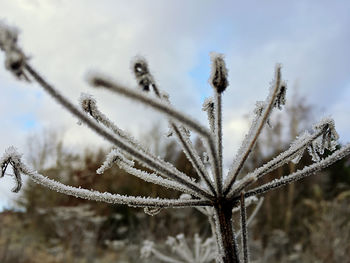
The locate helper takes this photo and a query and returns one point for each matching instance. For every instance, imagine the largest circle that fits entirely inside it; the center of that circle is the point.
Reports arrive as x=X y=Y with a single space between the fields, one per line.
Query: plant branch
x=251 y=217
x=305 y=172
x=244 y=229
x=160 y=106
x=192 y=156
x=143 y=175
x=166 y=109
x=218 y=137
x=253 y=134
x=296 y=148
x=155 y=165
x=89 y=105
x=146 y=80
x=113 y=198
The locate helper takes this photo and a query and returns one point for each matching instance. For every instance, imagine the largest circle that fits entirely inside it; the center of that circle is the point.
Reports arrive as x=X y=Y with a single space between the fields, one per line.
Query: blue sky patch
x=26 y=121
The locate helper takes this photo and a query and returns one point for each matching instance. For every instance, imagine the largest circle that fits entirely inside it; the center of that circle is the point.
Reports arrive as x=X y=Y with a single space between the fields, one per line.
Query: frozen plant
x=199 y=251
x=203 y=251
x=218 y=195
x=76 y=225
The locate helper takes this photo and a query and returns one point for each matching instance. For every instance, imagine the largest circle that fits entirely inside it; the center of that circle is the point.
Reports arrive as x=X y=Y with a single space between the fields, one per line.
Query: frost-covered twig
x=219 y=199
x=98 y=80
x=244 y=229
x=171 y=173
x=201 y=251
x=323 y=131
x=218 y=80
x=192 y=155
x=146 y=80
x=160 y=106
x=116 y=157
x=12 y=156
x=88 y=104
x=15 y=59
x=306 y=171
x=252 y=215
x=275 y=99
x=208 y=107
x=113 y=198
x=148 y=249
x=248 y=202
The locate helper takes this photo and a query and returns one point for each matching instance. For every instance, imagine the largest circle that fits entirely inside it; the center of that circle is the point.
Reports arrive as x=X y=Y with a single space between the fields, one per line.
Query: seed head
x=142 y=74
x=218 y=78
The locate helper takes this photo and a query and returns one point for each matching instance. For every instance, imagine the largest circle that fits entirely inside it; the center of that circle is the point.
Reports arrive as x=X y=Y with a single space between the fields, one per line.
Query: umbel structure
x=214 y=194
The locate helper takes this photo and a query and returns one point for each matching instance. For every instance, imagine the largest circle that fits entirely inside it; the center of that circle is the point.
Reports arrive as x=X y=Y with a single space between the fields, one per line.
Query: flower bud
x=218 y=78
x=142 y=74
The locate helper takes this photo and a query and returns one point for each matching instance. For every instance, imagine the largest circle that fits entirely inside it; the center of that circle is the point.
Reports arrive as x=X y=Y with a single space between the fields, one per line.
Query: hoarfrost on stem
x=215 y=195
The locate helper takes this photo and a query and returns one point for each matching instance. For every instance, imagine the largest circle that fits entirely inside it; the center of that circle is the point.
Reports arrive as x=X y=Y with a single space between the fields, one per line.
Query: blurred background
x=304 y=222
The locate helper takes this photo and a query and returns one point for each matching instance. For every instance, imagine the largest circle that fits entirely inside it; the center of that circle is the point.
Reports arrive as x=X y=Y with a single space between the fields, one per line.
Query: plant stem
x=218 y=138
x=228 y=252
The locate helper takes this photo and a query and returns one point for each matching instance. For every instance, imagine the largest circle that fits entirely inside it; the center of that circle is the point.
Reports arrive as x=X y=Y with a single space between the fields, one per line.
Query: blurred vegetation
x=305 y=222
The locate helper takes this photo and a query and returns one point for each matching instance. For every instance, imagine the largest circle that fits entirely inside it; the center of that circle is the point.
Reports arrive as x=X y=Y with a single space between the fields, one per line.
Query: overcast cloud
x=66 y=39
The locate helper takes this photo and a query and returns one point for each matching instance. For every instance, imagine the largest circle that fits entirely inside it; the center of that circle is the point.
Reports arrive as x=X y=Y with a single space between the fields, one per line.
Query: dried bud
x=208 y=106
x=281 y=96
x=259 y=108
x=8 y=37
x=218 y=78
x=142 y=74
x=88 y=103
x=14 y=58
x=12 y=158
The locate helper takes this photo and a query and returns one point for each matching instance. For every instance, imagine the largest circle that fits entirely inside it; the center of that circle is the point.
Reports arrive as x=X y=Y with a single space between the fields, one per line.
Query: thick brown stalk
x=228 y=250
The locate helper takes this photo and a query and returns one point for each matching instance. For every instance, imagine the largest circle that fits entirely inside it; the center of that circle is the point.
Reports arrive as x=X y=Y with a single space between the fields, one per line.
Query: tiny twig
x=306 y=171
x=166 y=109
x=122 y=145
x=113 y=198
x=244 y=229
x=254 y=133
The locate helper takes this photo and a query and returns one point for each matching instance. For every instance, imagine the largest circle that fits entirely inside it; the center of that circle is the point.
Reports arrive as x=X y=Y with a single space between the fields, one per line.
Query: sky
x=66 y=40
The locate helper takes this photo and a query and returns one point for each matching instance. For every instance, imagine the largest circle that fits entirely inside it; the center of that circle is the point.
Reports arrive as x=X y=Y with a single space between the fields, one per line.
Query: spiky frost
x=215 y=197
